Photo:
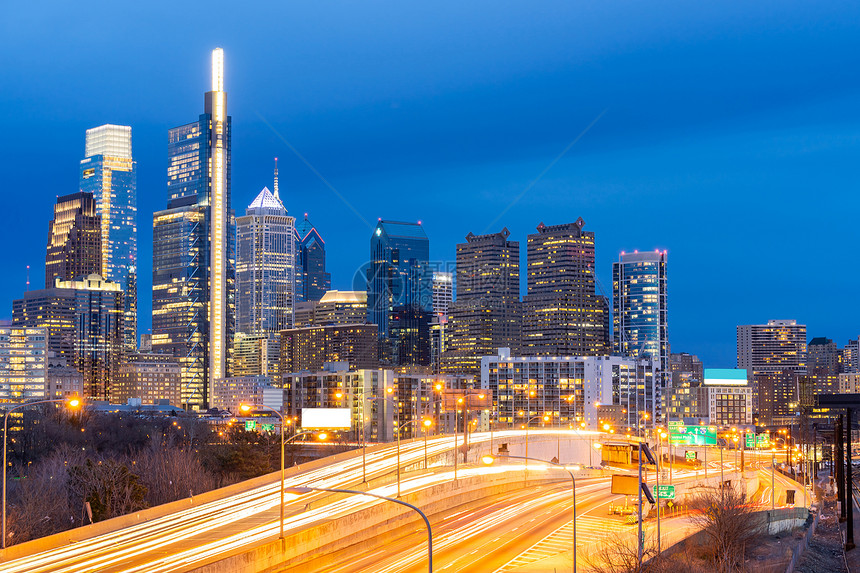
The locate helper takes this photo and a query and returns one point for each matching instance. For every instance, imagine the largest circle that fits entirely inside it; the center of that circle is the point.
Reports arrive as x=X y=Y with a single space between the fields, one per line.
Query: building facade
x=23 y=363
x=74 y=239
x=193 y=301
x=562 y=314
x=335 y=307
x=772 y=348
x=312 y=279
x=640 y=317
x=150 y=378
x=311 y=347
x=257 y=355
x=487 y=314
x=109 y=172
x=570 y=389
x=231 y=393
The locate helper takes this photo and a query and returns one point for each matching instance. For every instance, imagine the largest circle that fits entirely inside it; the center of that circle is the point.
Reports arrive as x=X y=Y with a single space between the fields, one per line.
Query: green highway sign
x=690 y=455
x=268 y=427
x=250 y=425
x=665 y=491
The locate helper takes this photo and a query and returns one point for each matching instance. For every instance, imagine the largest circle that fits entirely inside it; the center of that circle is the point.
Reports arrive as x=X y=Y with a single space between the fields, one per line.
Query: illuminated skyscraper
x=487 y=314
x=400 y=286
x=771 y=351
x=74 y=239
x=311 y=277
x=640 y=314
x=110 y=174
x=562 y=314
x=193 y=272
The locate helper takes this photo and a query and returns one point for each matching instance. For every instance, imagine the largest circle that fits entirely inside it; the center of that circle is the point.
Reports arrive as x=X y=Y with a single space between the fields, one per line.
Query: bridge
x=502 y=517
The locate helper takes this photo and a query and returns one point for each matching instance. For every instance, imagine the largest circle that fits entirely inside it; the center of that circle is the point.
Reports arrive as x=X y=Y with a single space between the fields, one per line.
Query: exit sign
x=250 y=425
x=665 y=491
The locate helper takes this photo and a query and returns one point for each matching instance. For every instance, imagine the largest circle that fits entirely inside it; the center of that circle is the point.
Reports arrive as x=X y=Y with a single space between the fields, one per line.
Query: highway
x=493 y=535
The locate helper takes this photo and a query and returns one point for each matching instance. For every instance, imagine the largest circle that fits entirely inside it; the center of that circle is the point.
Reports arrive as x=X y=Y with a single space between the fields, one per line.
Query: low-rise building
x=230 y=393
x=150 y=378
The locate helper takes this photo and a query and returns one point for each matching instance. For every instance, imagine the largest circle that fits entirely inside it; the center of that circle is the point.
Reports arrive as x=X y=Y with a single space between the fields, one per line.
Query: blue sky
x=729 y=136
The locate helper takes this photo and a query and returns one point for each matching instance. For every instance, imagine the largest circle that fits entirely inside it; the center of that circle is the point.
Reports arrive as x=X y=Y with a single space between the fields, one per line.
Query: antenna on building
x=276 y=179
x=28 y=278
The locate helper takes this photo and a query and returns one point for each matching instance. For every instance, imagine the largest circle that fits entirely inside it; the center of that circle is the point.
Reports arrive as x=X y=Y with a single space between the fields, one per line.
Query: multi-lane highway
x=519 y=525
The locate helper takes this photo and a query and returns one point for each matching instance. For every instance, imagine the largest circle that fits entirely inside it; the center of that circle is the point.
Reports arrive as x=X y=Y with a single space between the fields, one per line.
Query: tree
x=728 y=524
x=109 y=486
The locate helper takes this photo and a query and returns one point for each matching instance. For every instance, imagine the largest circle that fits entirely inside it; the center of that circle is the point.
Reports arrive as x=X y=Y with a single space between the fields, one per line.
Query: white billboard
x=326 y=418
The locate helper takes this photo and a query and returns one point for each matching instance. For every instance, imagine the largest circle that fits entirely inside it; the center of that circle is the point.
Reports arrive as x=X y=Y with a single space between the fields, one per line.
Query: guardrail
x=797 y=552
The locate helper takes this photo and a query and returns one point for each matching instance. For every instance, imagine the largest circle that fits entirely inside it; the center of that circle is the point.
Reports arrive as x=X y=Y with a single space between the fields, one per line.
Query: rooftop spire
x=217 y=70
x=278 y=197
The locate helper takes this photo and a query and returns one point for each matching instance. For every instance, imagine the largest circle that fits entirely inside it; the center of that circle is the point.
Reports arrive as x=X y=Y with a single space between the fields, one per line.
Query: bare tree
x=171 y=473
x=728 y=523
x=108 y=485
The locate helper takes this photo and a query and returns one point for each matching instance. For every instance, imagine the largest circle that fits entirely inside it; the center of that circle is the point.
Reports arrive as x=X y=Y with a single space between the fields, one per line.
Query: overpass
x=236 y=528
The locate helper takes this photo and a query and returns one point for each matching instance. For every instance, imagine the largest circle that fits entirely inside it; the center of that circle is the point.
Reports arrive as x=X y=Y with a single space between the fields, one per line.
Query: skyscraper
x=265 y=266
x=562 y=314
x=399 y=279
x=311 y=276
x=771 y=352
x=640 y=318
x=487 y=314
x=74 y=239
x=193 y=271
x=109 y=172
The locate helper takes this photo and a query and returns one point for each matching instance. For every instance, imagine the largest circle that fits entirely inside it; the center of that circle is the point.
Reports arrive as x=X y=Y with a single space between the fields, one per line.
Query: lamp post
x=465 y=401
x=248 y=408
x=303 y=490
x=71 y=403
x=528 y=422
x=396 y=407
x=490 y=459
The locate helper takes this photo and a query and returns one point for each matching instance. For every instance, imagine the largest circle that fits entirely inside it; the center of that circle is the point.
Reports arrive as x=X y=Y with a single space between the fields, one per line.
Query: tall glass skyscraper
x=109 y=172
x=193 y=300
x=74 y=239
x=640 y=315
x=265 y=267
x=312 y=279
x=400 y=288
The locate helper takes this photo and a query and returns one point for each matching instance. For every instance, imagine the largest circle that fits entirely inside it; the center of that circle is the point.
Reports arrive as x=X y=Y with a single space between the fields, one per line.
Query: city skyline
x=769 y=146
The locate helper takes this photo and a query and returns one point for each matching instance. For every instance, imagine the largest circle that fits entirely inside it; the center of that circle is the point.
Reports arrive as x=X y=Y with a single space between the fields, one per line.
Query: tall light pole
x=247 y=408
x=72 y=403
x=303 y=490
x=490 y=459
x=396 y=407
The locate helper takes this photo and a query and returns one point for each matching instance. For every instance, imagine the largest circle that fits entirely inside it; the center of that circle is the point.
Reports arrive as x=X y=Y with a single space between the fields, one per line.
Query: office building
x=231 y=393
x=74 y=239
x=265 y=267
x=109 y=172
x=257 y=354
x=23 y=363
x=822 y=357
x=193 y=301
x=687 y=375
x=487 y=314
x=335 y=307
x=84 y=322
x=848 y=383
x=335 y=385
x=571 y=389
x=312 y=279
x=725 y=397
x=310 y=347
x=562 y=314
x=399 y=280
x=850 y=357
x=62 y=380
x=149 y=378
x=778 y=396
x=443 y=291
x=772 y=348
x=640 y=317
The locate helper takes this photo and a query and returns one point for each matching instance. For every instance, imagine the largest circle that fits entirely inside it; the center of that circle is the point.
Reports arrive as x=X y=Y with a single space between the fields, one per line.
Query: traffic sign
x=665 y=492
x=250 y=425
x=690 y=455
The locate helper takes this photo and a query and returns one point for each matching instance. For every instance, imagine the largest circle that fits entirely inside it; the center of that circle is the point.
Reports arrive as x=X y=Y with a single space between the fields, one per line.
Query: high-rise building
x=822 y=357
x=150 y=378
x=487 y=314
x=312 y=279
x=850 y=357
x=23 y=363
x=773 y=348
x=109 y=172
x=399 y=279
x=640 y=317
x=443 y=292
x=562 y=314
x=335 y=307
x=682 y=398
x=74 y=239
x=257 y=354
x=84 y=321
x=265 y=267
x=193 y=267
x=310 y=347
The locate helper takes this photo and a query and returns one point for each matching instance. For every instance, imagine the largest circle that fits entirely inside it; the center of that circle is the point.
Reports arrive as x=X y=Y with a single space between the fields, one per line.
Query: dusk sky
x=727 y=133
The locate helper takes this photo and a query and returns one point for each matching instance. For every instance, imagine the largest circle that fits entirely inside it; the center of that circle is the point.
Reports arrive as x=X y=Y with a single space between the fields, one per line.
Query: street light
x=302 y=490
x=489 y=460
x=72 y=403
x=396 y=407
x=246 y=408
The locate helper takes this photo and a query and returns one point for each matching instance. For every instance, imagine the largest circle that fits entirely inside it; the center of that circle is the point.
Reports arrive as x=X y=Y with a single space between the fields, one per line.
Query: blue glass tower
x=312 y=280
x=109 y=172
x=400 y=288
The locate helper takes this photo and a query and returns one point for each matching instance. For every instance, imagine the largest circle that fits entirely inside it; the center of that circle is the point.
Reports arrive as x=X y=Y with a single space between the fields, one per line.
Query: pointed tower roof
x=304 y=227
x=265 y=200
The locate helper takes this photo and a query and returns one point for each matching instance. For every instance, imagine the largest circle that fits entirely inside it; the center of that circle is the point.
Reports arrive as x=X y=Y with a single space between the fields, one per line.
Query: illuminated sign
x=326 y=418
x=725 y=377
x=679 y=434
